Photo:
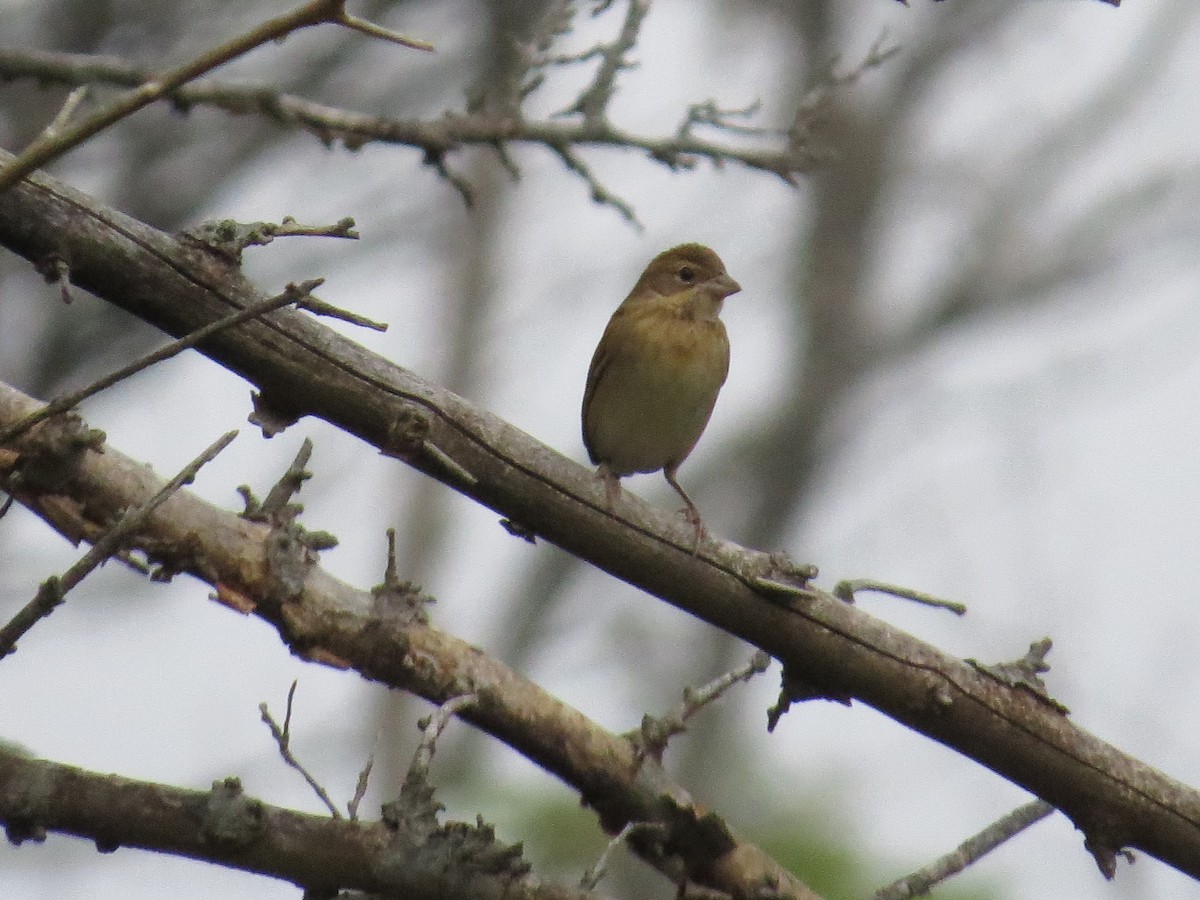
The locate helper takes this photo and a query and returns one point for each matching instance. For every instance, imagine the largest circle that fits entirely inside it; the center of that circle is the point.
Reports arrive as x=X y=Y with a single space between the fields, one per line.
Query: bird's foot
x=612 y=485
x=692 y=516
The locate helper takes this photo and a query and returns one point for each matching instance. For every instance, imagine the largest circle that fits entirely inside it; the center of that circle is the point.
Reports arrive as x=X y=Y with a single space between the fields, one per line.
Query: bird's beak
x=725 y=285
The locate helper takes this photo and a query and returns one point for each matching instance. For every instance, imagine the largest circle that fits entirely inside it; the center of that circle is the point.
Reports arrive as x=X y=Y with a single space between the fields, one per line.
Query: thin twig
x=593 y=876
x=283 y=737
x=845 y=590
x=593 y=102
x=600 y=194
x=329 y=311
x=708 y=113
x=51 y=592
x=695 y=699
x=291 y=294
x=369 y=28
x=47 y=147
x=277 y=506
x=67 y=110
x=432 y=727
x=232 y=237
x=360 y=786
x=920 y=882
x=654 y=733
x=437 y=159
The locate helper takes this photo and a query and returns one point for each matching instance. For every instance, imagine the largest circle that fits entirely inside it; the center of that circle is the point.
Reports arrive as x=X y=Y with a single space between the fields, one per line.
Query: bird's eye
x=686 y=275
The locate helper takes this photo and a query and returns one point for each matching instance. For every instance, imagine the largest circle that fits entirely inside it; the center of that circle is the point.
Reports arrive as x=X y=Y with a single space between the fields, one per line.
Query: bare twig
x=600 y=194
x=283 y=737
x=360 y=787
x=51 y=145
x=593 y=876
x=448 y=464
x=277 y=506
x=437 y=160
x=920 y=882
x=432 y=727
x=67 y=110
x=845 y=590
x=782 y=588
x=51 y=592
x=369 y=28
x=329 y=311
x=415 y=810
x=291 y=294
x=593 y=102
x=708 y=113
x=532 y=57
x=1091 y=779
x=816 y=102
x=654 y=733
x=230 y=237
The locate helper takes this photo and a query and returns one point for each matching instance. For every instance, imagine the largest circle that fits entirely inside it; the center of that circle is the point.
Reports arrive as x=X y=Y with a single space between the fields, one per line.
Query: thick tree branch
x=225 y=826
x=257 y=566
x=302 y=368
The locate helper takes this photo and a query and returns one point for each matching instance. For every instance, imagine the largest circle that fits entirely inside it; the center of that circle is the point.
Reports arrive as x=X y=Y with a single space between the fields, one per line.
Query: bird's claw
x=612 y=485
x=692 y=516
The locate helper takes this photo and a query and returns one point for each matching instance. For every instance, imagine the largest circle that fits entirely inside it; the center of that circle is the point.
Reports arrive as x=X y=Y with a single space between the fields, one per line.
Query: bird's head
x=682 y=268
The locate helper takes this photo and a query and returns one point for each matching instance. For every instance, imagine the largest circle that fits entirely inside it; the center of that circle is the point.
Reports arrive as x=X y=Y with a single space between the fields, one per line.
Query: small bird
x=657 y=370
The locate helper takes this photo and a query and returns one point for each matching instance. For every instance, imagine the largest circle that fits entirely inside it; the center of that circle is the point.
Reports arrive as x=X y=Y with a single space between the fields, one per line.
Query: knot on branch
x=228 y=238
x=1025 y=673
x=408 y=432
x=273 y=413
x=1106 y=852
x=229 y=819
x=290 y=549
x=49 y=455
x=455 y=846
x=795 y=689
x=777 y=576
x=396 y=599
x=55 y=268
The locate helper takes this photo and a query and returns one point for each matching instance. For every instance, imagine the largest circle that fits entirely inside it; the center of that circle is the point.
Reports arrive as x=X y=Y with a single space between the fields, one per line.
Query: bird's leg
x=612 y=484
x=691 y=513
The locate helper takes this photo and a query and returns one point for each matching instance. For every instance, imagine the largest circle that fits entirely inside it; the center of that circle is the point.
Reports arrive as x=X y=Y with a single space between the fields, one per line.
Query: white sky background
x=1040 y=467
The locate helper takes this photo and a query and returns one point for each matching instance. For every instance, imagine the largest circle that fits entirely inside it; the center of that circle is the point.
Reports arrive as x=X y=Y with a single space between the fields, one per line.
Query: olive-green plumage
x=656 y=373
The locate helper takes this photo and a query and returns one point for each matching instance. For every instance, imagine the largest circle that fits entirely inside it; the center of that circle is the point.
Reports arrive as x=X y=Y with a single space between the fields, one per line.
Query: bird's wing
x=601 y=360
x=725 y=362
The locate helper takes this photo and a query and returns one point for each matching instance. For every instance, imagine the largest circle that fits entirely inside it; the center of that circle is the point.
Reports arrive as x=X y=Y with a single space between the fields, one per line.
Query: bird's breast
x=655 y=396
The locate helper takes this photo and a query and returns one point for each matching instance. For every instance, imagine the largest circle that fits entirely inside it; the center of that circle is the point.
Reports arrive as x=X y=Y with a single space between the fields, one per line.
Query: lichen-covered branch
x=226 y=827
x=265 y=564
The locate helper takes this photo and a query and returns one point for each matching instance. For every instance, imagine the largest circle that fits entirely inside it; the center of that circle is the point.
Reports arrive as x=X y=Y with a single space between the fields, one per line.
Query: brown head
x=683 y=267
